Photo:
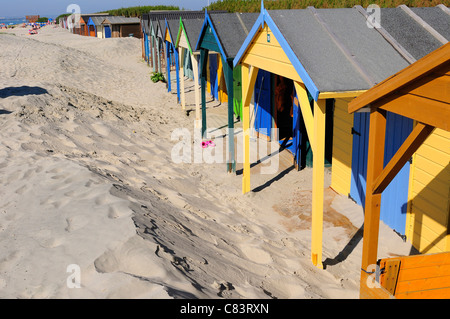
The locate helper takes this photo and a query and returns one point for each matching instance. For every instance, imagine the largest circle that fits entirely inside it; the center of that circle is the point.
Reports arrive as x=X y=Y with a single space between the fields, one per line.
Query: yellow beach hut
x=420 y=92
x=331 y=54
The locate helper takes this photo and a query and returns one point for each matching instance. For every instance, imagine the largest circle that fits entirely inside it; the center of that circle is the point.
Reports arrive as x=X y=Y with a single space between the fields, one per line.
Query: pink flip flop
x=204 y=144
x=211 y=143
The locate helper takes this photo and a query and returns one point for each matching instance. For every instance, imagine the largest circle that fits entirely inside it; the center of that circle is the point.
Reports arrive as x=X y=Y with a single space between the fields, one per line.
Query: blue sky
x=19 y=8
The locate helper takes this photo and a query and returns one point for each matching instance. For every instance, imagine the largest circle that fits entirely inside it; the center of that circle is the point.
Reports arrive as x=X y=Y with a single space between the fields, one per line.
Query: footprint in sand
x=256 y=254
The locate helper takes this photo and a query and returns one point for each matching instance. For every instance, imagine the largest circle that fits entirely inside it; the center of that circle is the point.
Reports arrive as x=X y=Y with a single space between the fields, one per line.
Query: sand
x=92 y=204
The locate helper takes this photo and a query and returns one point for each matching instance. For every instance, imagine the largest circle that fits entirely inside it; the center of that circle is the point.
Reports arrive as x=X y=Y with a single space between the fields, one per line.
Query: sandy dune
x=87 y=179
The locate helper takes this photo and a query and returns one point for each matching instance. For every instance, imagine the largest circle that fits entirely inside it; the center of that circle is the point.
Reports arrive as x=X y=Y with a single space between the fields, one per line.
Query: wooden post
x=228 y=71
x=177 y=71
x=150 y=40
x=318 y=183
x=203 y=66
x=248 y=85
x=169 y=85
x=375 y=159
x=197 y=90
x=182 y=89
x=154 y=53
x=143 y=46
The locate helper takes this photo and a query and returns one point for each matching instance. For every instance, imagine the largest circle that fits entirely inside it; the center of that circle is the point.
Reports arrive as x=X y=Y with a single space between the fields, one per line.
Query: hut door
x=395 y=196
x=394 y=199
x=107 y=31
x=360 y=133
x=263 y=104
x=92 y=31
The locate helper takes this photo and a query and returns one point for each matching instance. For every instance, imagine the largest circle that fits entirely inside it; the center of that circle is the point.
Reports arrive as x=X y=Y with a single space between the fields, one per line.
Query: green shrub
x=156 y=77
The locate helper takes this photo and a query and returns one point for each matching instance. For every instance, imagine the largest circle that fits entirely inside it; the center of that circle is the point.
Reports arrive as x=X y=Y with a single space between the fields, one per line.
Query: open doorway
x=283 y=107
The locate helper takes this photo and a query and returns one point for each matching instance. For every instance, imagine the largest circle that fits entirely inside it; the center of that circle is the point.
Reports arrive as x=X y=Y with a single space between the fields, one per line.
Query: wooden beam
x=248 y=84
x=409 y=105
x=375 y=160
x=404 y=153
x=318 y=183
x=307 y=114
x=340 y=95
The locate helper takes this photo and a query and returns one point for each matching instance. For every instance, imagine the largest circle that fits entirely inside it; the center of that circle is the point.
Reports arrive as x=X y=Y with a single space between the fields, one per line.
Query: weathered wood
x=419 y=134
x=373 y=201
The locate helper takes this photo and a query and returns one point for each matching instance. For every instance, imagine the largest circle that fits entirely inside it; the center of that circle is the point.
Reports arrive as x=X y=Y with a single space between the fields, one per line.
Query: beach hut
x=331 y=54
x=145 y=37
x=188 y=34
x=415 y=32
x=171 y=36
x=156 y=28
x=420 y=92
x=84 y=29
x=95 y=25
x=223 y=34
x=172 y=57
x=119 y=27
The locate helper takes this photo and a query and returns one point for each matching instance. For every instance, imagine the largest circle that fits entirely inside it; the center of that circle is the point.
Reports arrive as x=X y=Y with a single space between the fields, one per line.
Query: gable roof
x=334 y=50
x=97 y=20
x=172 y=26
x=192 y=28
x=432 y=65
x=229 y=29
x=409 y=33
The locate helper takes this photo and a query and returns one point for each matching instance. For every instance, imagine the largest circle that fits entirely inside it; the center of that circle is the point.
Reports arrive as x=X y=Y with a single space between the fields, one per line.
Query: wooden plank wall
x=267 y=53
x=419 y=277
x=428 y=219
x=342 y=148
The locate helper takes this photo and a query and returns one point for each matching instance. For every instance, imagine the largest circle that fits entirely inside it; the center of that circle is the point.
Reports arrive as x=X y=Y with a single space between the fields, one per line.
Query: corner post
x=318 y=183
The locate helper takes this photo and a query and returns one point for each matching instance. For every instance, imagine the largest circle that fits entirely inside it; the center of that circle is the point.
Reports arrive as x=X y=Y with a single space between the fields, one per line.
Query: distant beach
x=12 y=21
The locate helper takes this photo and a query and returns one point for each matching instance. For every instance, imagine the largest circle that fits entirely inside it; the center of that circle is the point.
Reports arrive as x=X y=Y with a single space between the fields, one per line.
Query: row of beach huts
x=366 y=93
x=102 y=25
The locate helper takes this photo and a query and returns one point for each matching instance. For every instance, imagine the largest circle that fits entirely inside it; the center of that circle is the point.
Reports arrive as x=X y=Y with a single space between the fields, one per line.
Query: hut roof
x=433 y=65
x=230 y=30
x=335 y=50
x=173 y=25
x=97 y=20
x=410 y=34
x=192 y=29
x=121 y=20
